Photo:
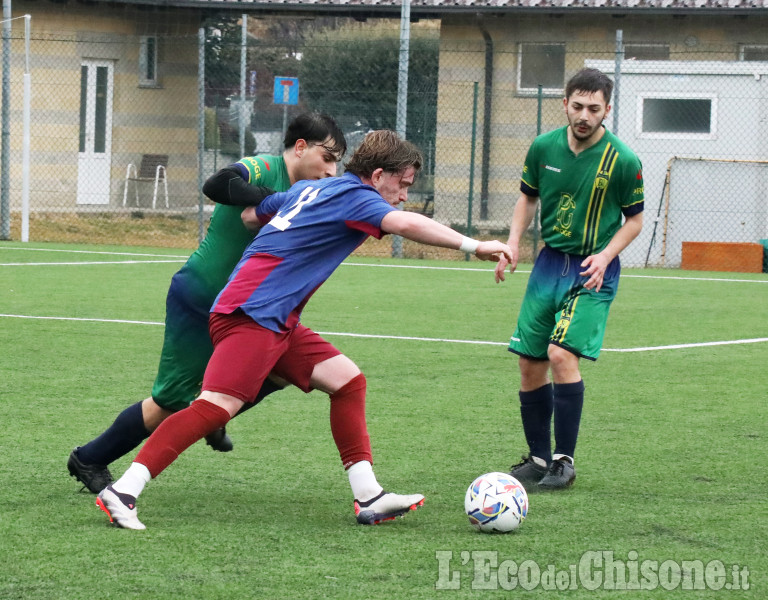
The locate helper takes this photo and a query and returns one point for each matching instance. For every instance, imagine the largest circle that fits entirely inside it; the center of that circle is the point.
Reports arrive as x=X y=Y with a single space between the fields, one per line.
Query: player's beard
x=583 y=136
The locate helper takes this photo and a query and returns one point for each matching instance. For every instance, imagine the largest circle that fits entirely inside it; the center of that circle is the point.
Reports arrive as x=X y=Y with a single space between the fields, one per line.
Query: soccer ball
x=496 y=502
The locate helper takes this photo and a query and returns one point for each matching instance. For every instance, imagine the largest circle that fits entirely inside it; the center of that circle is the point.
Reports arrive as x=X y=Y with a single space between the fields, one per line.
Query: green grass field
x=671 y=474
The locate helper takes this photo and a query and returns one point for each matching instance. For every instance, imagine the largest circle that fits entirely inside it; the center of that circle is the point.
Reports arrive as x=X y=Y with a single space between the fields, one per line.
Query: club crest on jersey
x=601 y=181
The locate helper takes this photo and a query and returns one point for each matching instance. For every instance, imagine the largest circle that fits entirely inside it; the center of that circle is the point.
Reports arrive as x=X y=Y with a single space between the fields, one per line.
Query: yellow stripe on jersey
x=597 y=198
x=533 y=187
x=565 y=320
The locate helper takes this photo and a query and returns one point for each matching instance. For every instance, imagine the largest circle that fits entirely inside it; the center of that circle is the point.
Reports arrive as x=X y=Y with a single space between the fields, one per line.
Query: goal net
x=708 y=200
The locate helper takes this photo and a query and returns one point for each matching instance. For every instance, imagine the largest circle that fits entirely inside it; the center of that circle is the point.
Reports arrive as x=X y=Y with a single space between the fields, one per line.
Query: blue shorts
x=187 y=344
x=558 y=310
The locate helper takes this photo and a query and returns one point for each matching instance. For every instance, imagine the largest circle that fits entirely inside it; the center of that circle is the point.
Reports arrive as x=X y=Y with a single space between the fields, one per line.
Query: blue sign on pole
x=286 y=90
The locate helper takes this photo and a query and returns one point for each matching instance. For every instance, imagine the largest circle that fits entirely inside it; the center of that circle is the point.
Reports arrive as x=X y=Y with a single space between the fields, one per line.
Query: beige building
x=510 y=52
x=114 y=82
x=110 y=83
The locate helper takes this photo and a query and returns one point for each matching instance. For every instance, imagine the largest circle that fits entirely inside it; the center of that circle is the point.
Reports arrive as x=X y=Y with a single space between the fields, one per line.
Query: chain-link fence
x=124 y=127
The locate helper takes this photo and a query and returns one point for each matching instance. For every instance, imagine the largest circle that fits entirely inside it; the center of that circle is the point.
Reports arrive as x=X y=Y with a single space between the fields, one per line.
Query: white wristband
x=469 y=245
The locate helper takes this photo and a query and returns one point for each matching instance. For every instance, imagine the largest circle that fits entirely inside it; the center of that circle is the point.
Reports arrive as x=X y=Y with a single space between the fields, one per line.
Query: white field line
x=348 y=264
x=78 y=264
x=413 y=338
x=90 y=252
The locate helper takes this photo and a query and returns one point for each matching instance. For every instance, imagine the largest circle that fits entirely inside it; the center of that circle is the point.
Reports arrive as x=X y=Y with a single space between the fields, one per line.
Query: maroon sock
x=178 y=432
x=348 y=422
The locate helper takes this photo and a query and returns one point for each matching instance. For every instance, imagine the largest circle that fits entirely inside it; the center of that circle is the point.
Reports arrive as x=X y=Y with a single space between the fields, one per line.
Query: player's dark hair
x=383 y=149
x=315 y=128
x=590 y=81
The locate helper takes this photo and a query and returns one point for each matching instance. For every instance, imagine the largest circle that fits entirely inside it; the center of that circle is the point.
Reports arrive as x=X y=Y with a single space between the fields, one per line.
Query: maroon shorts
x=244 y=353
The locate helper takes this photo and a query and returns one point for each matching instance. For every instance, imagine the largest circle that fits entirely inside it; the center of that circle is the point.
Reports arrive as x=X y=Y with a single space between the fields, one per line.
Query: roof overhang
x=436 y=9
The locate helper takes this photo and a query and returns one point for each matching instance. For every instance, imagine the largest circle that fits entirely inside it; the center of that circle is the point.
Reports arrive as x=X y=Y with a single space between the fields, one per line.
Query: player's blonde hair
x=384 y=149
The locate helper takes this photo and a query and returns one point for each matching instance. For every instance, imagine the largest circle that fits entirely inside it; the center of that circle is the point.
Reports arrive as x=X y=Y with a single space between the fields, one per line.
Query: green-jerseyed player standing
x=586 y=180
x=313 y=145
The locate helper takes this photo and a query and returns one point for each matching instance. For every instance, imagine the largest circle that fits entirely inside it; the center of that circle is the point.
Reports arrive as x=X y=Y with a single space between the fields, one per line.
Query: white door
x=95 y=154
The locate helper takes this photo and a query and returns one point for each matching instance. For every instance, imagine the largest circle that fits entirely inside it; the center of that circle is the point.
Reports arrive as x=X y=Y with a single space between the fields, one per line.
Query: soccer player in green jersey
x=586 y=180
x=313 y=145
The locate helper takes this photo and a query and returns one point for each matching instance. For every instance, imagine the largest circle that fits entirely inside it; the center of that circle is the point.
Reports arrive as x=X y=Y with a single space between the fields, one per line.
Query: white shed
x=705 y=125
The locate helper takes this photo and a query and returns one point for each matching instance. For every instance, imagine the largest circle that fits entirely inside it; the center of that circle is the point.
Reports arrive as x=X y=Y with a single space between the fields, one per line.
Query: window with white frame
x=148 y=61
x=677 y=117
x=753 y=53
x=635 y=51
x=540 y=64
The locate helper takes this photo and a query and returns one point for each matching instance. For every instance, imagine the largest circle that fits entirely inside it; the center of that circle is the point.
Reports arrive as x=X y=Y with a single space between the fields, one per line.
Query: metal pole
x=25 y=144
x=402 y=69
x=402 y=93
x=279 y=149
x=658 y=211
x=471 y=166
x=200 y=130
x=617 y=78
x=540 y=100
x=485 y=161
x=5 y=146
x=243 y=58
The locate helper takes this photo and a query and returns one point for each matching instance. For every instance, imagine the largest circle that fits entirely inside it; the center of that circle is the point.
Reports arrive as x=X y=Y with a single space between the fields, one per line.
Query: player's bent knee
x=533 y=373
x=229 y=403
x=334 y=373
x=153 y=414
x=560 y=356
x=564 y=363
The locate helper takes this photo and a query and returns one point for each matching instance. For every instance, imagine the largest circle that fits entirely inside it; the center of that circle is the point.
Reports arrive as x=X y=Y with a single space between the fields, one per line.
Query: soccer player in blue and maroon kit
x=255 y=328
x=313 y=144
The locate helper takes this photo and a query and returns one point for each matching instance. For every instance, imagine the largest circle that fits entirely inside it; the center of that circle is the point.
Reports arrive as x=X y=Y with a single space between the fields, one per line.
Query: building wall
x=154 y=120
x=514 y=115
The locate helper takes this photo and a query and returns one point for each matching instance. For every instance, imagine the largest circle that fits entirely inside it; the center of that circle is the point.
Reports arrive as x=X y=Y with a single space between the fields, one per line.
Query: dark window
x=148 y=61
x=100 y=137
x=541 y=65
x=646 y=52
x=677 y=115
x=83 y=104
x=754 y=53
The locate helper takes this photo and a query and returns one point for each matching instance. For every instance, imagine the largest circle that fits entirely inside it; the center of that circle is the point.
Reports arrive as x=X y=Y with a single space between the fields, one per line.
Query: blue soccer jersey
x=309 y=231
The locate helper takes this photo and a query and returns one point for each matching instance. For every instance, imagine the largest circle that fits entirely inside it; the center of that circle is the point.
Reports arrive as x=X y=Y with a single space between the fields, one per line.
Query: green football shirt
x=227 y=237
x=582 y=196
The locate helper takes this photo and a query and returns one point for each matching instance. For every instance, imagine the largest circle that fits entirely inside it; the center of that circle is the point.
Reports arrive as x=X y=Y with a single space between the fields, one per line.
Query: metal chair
x=151 y=169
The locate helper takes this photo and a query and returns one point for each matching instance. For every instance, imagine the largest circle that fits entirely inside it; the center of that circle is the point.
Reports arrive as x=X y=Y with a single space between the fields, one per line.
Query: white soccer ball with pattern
x=496 y=502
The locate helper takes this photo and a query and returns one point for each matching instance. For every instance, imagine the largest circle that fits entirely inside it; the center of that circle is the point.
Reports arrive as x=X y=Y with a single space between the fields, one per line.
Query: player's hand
x=493 y=250
x=595 y=271
x=501 y=265
x=250 y=220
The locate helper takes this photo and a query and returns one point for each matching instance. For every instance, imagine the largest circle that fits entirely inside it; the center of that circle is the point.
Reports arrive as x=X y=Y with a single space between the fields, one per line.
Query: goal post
x=708 y=200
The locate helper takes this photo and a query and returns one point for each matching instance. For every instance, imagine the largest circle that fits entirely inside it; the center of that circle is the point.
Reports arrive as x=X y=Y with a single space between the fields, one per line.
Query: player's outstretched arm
x=227 y=186
x=424 y=230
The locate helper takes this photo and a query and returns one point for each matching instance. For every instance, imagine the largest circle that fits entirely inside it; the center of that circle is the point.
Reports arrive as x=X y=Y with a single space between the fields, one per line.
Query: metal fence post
x=402 y=94
x=26 y=135
x=241 y=107
x=617 y=78
x=471 y=165
x=200 y=130
x=5 y=150
x=540 y=99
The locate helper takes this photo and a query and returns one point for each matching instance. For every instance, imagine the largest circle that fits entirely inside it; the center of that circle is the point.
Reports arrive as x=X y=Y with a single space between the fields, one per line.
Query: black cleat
x=528 y=472
x=219 y=441
x=560 y=475
x=93 y=477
